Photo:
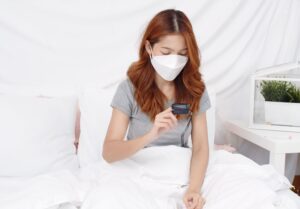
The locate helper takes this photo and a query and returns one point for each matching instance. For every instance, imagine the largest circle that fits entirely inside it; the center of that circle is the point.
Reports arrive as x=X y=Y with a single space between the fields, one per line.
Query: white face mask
x=168 y=66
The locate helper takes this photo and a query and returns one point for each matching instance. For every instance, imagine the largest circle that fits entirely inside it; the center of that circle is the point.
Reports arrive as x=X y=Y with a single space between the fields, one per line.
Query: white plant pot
x=282 y=113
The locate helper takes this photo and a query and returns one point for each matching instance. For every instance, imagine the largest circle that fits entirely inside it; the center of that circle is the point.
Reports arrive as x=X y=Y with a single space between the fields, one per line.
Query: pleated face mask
x=168 y=66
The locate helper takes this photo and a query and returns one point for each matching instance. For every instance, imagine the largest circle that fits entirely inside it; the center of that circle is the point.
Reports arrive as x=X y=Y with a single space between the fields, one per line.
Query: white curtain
x=75 y=42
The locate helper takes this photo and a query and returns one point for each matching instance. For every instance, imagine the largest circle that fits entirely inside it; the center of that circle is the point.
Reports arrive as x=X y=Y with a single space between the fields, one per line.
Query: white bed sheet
x=292 y=200
x=227 y=177
x=153 y=179
x=41 y=192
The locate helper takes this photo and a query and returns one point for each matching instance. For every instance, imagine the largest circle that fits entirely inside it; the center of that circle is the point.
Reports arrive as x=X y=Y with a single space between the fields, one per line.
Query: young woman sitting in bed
x=166 y=72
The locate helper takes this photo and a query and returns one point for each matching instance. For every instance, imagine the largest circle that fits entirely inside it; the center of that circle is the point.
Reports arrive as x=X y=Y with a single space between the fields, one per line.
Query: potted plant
x=282 y=102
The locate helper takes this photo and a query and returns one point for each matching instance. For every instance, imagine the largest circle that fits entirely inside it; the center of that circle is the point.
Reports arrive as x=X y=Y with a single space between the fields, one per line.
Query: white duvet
x=50 y=190
x=155 y=177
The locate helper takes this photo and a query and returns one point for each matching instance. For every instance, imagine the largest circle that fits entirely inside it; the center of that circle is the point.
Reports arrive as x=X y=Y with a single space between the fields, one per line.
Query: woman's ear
x=148 y=48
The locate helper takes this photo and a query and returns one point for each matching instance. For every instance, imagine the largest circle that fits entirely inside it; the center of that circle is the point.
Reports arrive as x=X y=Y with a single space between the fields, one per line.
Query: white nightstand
x=278 y=143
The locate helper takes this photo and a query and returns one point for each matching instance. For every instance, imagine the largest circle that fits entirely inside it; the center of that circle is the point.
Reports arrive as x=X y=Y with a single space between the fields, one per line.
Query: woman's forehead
x=172 y=41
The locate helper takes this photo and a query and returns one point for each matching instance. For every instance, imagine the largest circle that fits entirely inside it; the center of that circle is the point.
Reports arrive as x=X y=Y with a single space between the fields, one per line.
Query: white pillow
x=94 y=120
x=37 y=134
x=95 y=116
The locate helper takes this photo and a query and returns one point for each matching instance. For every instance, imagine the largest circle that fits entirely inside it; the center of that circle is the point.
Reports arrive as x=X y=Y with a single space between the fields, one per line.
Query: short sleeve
x=204 y=102
x=123 y=98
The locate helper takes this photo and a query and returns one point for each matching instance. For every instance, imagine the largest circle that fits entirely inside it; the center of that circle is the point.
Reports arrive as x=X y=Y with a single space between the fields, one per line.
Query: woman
x=167 y=72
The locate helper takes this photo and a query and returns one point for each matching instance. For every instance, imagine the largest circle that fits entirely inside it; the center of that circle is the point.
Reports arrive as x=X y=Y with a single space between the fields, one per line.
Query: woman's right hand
x=164 y=121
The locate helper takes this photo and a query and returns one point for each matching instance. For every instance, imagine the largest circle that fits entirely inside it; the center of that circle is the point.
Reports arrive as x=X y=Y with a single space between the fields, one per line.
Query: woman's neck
x=166 y=87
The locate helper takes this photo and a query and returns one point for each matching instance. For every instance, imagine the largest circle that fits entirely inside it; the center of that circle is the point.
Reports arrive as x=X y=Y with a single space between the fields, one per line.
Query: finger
x=163 y=124
x=186 y=202
x=164 y=114
x=167 y=110
x=168 y=121
x=170 y=116
x=199 y=206
x=194 y=202
x=201 y=203
x=190 y=205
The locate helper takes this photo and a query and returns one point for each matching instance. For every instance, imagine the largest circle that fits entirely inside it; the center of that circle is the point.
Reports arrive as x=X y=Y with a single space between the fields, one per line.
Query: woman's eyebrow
x=166 y=48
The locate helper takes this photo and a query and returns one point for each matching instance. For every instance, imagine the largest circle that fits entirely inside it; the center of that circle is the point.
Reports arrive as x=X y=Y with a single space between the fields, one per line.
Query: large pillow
x=94 y=120
x=95 y=116
x=37 y=134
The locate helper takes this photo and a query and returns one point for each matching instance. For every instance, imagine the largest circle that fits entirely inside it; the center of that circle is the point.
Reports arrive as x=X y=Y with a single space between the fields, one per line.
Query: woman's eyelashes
x=168 y=53
x=165 y=53
x=183 y=52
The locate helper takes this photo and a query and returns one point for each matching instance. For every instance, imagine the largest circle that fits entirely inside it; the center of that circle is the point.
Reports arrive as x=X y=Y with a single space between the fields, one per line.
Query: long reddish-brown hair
x=189 y=85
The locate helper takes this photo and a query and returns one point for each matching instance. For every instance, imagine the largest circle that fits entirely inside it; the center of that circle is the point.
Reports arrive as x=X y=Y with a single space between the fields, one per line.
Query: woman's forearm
x=198 y=167
x=114 y=150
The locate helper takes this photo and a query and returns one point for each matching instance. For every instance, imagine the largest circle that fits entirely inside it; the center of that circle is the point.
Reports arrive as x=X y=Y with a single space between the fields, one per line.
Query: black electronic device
x=180 y=108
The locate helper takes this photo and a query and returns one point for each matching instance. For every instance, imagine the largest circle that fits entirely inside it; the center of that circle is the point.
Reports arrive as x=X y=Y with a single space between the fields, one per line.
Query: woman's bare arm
x=117 y=148
x=200 y=152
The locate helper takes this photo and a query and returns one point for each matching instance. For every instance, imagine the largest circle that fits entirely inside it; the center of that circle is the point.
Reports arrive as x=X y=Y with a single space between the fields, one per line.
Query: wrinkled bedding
x=155 y=177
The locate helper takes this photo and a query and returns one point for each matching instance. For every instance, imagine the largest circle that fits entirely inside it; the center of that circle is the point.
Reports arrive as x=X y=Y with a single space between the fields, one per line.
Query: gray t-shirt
x=140 y=122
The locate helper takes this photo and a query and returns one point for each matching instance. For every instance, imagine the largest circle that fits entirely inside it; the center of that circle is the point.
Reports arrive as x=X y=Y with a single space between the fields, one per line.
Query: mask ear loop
x=183 y=143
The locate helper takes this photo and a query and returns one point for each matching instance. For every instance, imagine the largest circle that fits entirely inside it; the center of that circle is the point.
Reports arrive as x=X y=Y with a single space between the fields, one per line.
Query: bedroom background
x=74 y=43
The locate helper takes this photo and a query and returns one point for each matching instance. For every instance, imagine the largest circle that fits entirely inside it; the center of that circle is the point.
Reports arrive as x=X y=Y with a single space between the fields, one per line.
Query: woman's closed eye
x=165 y=53
x=168 y=53
x=183 y=52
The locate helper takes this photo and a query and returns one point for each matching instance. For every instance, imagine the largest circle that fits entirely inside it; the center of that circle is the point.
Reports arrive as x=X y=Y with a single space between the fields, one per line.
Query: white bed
x=64 y=190
x=163 y=169
x=290 y=196
x=154 y=178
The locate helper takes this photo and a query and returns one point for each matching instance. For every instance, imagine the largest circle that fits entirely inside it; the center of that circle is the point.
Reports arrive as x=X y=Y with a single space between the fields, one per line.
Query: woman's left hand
x=193 y=200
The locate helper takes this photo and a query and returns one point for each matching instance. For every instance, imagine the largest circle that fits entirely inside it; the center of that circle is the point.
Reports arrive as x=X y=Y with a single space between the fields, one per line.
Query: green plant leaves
x=294 y=94
x=280 y=91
